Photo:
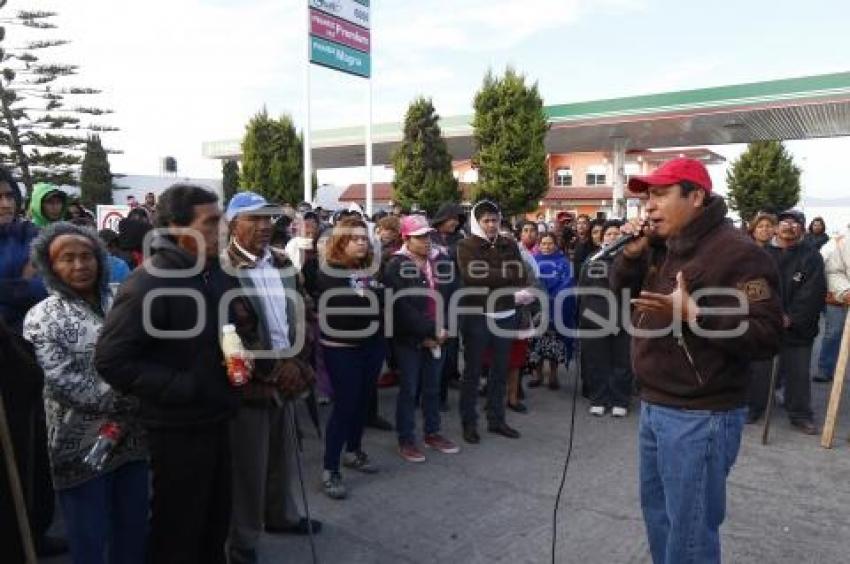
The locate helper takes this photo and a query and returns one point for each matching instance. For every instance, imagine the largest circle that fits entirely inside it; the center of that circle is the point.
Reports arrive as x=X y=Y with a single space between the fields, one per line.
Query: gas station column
x=619 y=162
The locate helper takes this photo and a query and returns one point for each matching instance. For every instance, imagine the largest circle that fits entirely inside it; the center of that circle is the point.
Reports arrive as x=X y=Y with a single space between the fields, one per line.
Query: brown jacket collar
x=239 y=258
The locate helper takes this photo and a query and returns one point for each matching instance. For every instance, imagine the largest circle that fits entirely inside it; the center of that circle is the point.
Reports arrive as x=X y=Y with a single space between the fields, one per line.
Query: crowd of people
x=120 y=332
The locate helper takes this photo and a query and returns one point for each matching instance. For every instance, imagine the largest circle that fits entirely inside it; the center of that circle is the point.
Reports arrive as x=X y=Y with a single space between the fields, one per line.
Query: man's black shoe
x=299 y=528
x=48 y=546
x=470 y=434
x=752 y=417
x=503 y=429
x=805 y=427
x=379 y=423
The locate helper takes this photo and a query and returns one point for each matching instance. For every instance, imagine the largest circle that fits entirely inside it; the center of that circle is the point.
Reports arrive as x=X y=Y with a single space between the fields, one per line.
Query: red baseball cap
x=673 y=172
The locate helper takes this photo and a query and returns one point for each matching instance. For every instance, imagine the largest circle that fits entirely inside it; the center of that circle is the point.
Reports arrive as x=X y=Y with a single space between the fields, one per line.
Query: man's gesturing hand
x=678 y=305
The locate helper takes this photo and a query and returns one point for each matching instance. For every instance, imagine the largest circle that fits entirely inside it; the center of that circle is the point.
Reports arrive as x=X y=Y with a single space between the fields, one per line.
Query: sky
x=181 y=72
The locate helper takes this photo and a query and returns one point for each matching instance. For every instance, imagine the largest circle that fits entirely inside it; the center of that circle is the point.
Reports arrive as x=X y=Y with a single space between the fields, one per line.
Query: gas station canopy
x=795 y=108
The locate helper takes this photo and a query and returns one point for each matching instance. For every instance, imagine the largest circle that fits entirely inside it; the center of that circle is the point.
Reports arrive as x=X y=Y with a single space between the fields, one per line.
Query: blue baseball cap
x=245 y=202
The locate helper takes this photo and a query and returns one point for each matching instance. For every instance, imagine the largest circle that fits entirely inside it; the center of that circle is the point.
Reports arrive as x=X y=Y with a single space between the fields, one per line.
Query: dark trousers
x=794 y=363
x=605 y=366
x=190 y=508
x=353 y=372
x=477 y=338
x=450 y=371
x=108 y=515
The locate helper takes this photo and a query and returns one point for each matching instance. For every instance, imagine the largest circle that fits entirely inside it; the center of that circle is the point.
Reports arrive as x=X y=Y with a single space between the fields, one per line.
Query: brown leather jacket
x=692 y=371
x=268 y=379
x=492 y=266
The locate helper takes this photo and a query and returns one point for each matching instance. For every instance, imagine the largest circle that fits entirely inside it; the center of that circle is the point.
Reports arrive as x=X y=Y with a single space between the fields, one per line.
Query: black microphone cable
x=567 y=460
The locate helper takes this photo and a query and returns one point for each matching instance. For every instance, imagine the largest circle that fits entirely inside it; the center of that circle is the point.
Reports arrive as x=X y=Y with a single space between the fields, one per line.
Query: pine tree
x=272 y=159
x=95 y=176
x=765 y=178
x=509 y=130
x=42 y=133
x=229 y=179
x=423 y=166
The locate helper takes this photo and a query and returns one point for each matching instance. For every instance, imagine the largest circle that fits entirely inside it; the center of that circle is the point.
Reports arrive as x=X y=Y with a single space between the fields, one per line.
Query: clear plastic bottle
x=107 y=439
x=234 y=356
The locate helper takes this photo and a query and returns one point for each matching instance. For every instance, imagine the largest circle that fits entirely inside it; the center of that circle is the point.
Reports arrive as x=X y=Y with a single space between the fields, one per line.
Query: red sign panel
x=339 y=31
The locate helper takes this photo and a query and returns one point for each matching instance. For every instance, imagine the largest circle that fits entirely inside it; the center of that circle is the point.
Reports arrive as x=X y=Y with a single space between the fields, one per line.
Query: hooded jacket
x=178 y=374
x=64 y=330
x=693 y=371
x=490 y=264
x=40 y=192
x=17 y=294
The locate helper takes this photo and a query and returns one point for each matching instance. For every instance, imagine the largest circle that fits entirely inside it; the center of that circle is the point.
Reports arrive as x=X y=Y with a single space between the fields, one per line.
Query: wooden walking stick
x=774 y=371
x=15 y=487
x=837 y=387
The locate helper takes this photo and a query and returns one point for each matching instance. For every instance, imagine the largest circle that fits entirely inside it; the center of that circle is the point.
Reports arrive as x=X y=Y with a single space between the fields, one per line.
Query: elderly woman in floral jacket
x=105 y=509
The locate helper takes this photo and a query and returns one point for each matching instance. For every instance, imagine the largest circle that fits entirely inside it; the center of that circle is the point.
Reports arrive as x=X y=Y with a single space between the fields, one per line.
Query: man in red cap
x=690 y=357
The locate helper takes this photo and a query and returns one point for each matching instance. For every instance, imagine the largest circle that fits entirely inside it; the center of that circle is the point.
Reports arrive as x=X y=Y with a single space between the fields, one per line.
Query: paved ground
x=789 y=502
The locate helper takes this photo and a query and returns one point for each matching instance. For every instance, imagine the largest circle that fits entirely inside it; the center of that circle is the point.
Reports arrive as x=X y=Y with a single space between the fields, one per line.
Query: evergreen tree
x=42 y=133
x=423 y=166
x=272 y=159
x=229 y=179
x=95 y=176
x=764 y=177
x=509 y=130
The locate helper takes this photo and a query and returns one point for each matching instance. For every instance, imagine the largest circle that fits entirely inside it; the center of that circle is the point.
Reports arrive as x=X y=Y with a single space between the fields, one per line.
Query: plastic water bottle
x=107 y=439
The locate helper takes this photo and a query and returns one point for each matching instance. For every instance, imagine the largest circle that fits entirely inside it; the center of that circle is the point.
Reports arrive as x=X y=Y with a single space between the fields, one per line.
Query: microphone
x=615 y=247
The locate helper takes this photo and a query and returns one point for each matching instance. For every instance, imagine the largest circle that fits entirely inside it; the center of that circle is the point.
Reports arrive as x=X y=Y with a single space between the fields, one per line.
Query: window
x=594 y=179
x=563 y=177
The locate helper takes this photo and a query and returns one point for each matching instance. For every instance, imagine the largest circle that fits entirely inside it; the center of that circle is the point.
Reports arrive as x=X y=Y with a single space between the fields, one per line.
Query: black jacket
x=802 y=283
x=363 y=294
x=411 y=325
x=596 y=274
x=180 y=380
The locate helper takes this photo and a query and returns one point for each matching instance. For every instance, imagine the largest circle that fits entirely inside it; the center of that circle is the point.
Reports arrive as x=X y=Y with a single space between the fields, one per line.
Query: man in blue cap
x=266 y=316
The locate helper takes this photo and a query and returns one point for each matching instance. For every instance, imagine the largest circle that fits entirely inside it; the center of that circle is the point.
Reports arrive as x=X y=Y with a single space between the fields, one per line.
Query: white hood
x=474 y=227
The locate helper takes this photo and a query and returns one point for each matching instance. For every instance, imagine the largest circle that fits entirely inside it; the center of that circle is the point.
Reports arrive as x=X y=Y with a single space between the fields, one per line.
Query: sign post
x=339 y=38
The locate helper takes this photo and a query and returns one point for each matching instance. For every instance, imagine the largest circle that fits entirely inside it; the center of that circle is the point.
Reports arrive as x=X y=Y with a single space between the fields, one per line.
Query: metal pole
x=308 y=161
x=15 y=487
x=369 y=149
x=369 y=117
x=774 y=370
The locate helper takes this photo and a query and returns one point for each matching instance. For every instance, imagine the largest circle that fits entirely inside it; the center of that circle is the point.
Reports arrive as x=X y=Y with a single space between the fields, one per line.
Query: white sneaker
x=619 y=412
x=597 y=410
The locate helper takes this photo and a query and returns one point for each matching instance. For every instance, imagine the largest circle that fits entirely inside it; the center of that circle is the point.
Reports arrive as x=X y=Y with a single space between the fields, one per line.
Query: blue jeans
x=108 y=515
x=685 y=457
x=354 y=372
x=418 y=367
x=834 y=326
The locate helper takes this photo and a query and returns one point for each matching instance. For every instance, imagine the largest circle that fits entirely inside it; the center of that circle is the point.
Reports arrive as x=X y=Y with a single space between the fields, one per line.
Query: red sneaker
x=442 y=444
x=411 y=453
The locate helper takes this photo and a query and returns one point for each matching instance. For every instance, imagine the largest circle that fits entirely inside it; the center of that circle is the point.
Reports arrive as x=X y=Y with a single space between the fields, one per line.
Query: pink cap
x=415 y=225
